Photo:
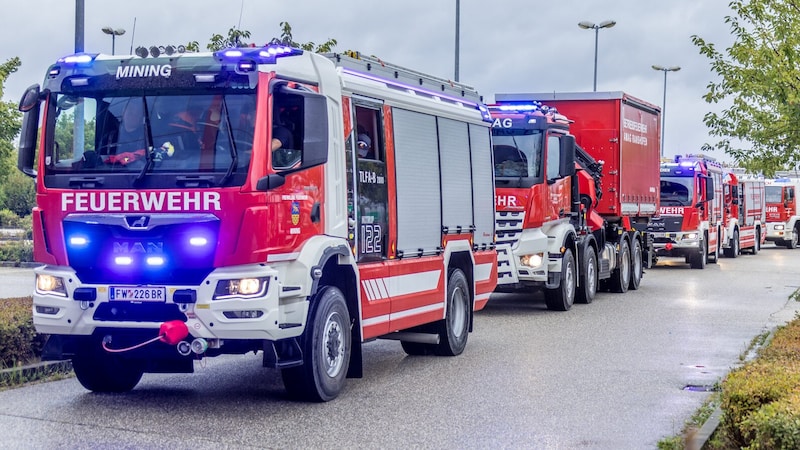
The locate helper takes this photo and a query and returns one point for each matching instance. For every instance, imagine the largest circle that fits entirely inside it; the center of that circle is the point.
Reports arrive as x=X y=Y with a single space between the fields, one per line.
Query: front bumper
x=265 y=316
x=676 y=244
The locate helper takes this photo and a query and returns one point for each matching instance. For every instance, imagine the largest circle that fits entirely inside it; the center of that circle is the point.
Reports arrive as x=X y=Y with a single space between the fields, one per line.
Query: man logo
x=137 y=221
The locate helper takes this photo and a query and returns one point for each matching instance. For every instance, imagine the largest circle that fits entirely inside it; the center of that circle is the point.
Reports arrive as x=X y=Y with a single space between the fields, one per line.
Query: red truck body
x=571 y=232
x=623 y=132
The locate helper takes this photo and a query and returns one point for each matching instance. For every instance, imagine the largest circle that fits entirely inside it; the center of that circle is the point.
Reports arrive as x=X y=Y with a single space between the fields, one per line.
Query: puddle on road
x=700 y=388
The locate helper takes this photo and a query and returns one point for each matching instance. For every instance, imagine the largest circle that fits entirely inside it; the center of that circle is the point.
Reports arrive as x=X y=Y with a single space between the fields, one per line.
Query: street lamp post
x=596 y=27
x=114 y=33
x=458 y=34
x=664 y=101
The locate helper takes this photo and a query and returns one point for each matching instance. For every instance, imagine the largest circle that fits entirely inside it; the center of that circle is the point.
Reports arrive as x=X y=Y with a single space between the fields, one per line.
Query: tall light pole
x=664 y=101
x=596 y=27
x=458 y=32
x=114 y=33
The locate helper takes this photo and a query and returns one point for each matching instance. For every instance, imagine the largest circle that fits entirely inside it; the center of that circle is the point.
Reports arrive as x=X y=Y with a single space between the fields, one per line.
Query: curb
x=34 y=371
x=25 y=264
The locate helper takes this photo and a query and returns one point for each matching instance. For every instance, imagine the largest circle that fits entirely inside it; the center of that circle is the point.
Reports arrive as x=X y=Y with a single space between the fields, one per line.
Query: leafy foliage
x=18 y=194
x=19 y=341
x=759 y=78
x=10 y=121
x=237 y=38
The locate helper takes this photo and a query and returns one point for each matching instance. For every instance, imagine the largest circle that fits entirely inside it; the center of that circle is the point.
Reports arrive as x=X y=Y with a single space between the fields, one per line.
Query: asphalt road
x=610 y=375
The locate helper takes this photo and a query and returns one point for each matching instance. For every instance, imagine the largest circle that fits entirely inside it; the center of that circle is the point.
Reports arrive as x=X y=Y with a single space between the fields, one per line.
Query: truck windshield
x=517 y=153
x=774 y=194
x=150 y=134
x=677 y=191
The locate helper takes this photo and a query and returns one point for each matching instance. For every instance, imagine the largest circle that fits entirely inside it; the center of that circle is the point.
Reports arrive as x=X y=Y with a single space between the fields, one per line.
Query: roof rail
x=360 y=64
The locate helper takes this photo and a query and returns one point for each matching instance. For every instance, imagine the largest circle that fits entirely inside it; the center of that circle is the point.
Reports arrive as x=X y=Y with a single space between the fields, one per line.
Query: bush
x=19 y=342
x=9 y=219
x=776 y=425
x=19 y=194
x=16 y=251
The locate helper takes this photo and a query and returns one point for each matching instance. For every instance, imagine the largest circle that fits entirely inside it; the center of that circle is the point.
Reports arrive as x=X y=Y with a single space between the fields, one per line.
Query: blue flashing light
x=198 y=241
x=78 y=241
x=78 y=59
x=256 y=55
x=155 y=260
x=123 y=260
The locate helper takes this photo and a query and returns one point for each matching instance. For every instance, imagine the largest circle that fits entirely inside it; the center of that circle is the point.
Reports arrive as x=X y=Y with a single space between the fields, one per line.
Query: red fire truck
x=783 y=215
x=746 y=219
x=564 y=231
x=695 y=205
x=220 y=203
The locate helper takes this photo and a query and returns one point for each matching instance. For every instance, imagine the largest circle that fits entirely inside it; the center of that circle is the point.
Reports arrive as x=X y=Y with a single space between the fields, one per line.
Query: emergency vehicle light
x=256 y=55
x=78 y=58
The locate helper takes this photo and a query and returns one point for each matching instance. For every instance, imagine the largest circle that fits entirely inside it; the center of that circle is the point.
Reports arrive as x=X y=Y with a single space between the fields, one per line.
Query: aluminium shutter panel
x=456 y=175
x=482 y=183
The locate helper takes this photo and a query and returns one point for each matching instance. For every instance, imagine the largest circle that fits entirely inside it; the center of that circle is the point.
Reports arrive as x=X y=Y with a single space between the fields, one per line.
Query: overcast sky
x=506 y=45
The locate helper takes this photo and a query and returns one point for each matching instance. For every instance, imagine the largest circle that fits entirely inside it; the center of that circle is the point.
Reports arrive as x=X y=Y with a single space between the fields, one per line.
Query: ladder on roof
x=369 y=65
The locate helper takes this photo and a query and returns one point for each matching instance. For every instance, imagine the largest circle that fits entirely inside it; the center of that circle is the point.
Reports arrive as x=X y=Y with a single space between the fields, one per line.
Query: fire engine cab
x=783 y=218
x=255 y=199
x=693 y=210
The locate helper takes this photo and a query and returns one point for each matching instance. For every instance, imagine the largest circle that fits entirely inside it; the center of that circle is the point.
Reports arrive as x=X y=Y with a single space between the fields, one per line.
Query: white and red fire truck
x=747 y=214
x=181 y=232
x=566 y=231
x=783 y=216
x=695 y=206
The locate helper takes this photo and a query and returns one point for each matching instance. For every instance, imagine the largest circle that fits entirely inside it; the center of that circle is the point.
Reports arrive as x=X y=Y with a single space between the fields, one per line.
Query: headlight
x=241 y=287
x=778 y=227
x=532 y=261
x=48 y=284
x=689 y=237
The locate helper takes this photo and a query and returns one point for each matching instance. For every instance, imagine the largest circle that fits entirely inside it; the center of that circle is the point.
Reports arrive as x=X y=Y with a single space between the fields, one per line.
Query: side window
x=553 y=156
x=287 y=129
x=369 y=133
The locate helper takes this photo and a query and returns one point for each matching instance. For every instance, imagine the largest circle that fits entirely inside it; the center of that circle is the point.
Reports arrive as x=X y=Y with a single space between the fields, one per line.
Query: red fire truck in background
x=783 y=215
x=694 y=209
x=565 y=231
x=746 y=220
x=161 y=247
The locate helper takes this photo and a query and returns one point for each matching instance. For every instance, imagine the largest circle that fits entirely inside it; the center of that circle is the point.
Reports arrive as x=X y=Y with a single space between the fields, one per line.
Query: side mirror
x=30 y=106
x=315 y=133
x=566 y=164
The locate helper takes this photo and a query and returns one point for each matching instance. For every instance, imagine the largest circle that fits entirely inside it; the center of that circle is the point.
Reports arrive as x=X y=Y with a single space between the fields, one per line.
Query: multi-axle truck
x=174 y=223
x=577 y=178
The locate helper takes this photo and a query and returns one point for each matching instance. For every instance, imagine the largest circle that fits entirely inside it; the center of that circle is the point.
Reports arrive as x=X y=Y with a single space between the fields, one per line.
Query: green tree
x=237 y=38
x=18 y=193
x=761 y=82
x=10 y=122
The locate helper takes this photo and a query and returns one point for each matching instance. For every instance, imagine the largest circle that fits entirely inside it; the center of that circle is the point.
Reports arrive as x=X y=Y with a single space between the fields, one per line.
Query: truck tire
x=587 y=280
x=732 y=251
x=621 y=276
x=714 y=257
x=326 y=345
x=700 y=259
x=637 y=265
x=562 y=297
x=757 y=246
x=100 y=371
x=792 y=243
x=454 y=329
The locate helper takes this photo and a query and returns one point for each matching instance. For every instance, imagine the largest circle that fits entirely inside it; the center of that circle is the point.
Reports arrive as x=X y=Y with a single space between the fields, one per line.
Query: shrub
x=9 y=219
x=19 y=194
x=776 y=425
x=16 y=251
x=19 y=342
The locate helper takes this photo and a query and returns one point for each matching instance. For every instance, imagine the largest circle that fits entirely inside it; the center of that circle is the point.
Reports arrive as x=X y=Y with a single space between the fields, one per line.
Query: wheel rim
x=333 y=345
x=591 y=277
x=625 y=268
x=458 y=312
x=637 y=261
x=569 y=280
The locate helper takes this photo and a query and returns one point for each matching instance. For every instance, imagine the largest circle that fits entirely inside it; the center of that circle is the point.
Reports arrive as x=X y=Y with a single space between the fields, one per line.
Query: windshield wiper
x=234 y=152
x=148 y=143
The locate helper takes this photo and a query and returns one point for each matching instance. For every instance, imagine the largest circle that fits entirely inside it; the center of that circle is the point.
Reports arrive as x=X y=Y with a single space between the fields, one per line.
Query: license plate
x=138 y=294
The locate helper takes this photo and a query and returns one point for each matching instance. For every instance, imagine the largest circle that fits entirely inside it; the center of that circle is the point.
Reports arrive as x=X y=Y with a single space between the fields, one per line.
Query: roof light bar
x=411 y=88
x=256 y=55
x=78 y=58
